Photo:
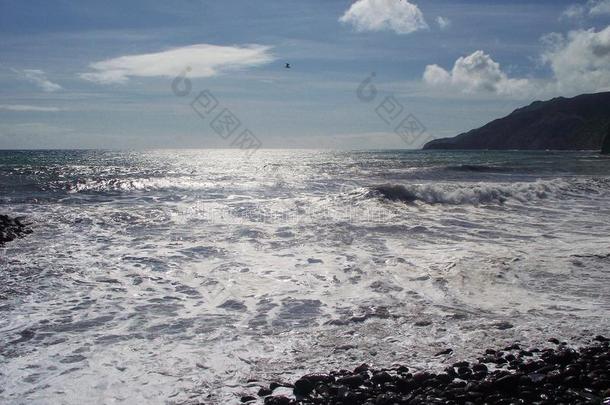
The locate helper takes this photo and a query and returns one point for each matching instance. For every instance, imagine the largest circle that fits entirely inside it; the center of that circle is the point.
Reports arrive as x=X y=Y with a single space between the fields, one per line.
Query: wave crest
x=483 y=193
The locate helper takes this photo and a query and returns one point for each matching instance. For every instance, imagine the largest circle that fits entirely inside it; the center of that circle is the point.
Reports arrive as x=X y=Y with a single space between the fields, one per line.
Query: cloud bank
x=477 y=72
x=202 y=60
x=399 y=16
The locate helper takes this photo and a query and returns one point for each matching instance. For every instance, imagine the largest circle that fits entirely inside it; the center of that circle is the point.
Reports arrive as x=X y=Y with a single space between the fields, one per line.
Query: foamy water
x=176 y=276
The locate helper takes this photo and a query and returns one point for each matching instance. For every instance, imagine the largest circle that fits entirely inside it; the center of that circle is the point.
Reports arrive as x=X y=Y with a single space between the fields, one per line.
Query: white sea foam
x=486 y=193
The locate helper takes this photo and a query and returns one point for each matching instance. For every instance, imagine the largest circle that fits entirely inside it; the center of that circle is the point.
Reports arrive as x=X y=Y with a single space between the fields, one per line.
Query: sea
x=198 y=276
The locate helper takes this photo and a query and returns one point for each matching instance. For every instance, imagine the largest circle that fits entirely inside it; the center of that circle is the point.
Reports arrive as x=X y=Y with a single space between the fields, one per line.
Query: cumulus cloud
x=39 y=78
x=591 y=8
x=202 y=60
x=580 y=60
x=477 y=72
x=443 y=22
x=399 y=16
x=27 y=108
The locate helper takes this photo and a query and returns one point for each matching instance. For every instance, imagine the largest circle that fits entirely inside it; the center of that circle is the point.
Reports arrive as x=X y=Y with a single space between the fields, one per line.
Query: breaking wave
x=485 y=193
x=142 y=184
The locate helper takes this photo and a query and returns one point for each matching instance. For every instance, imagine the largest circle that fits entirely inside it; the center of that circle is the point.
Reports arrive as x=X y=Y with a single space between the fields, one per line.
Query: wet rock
x=303 y=387
x=464 y=372
x=351 y=380
x=503 y=325
x=279 y=400
x=361 y=368
x=276 y=384
x=12 y=228
x=319 y=377
x=508 y=382
x=263 y=392
x=444 y=352
x=479 y=368
x=551 y=376
x=381 y=378
x=247 y=398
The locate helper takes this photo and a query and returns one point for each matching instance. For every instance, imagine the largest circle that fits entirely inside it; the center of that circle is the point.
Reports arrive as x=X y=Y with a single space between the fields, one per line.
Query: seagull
x=287 y=66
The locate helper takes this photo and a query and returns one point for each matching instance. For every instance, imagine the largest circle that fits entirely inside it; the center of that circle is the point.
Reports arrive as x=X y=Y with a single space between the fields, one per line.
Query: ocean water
x=177 y=276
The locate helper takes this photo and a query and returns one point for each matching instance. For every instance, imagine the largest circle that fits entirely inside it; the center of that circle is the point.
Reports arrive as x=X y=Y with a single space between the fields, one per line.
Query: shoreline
x=510 y=375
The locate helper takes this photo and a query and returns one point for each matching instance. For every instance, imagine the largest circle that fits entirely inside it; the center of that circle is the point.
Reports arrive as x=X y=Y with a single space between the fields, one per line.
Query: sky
x=365 y=74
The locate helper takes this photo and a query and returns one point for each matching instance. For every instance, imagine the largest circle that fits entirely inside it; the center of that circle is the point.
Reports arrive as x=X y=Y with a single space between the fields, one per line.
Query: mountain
x=576 y=123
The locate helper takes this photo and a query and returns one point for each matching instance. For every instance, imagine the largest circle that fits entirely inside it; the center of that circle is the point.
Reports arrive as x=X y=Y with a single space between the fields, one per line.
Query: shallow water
x=175 y=276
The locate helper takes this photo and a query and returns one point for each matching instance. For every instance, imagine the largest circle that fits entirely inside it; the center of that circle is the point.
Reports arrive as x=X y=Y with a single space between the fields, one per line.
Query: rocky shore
x=555 y=375
x=12 y=228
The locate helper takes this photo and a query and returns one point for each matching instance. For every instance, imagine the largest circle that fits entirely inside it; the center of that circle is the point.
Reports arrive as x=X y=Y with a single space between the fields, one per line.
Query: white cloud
x=477 y=72
x=443 y=22
x=202 y=60
x=436 y=75
x=592 y=8
x=399 y=16
x=39 y=78
x=599 y=7
x=574 y=11
x=27 y=108
x=580 y=61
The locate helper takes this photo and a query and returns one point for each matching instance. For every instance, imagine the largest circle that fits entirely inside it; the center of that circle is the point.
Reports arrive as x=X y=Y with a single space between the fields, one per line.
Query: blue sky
x=89 y=74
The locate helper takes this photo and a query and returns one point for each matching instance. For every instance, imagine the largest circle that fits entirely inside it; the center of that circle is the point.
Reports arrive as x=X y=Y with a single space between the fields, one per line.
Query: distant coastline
x=578 y=123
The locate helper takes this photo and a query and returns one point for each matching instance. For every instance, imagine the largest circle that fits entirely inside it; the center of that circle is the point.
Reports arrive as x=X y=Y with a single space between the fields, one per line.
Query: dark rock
x=263 y=392
x=351 y=380
x=381 y=378
x=303 y=387
x=421 y=376
x=386 y=399
x=480 y=368
x=555 y=376
x=446 y=351
x=248 y=398
x=361 y=368
x=279 y=400
x=403 y=369
x=464 y=372
x=503 y=325
x=508 y=382
x=319 y=377
x=12 y=228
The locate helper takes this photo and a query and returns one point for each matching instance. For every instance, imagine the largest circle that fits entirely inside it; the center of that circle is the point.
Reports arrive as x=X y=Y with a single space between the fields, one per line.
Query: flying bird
x=287 y=66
